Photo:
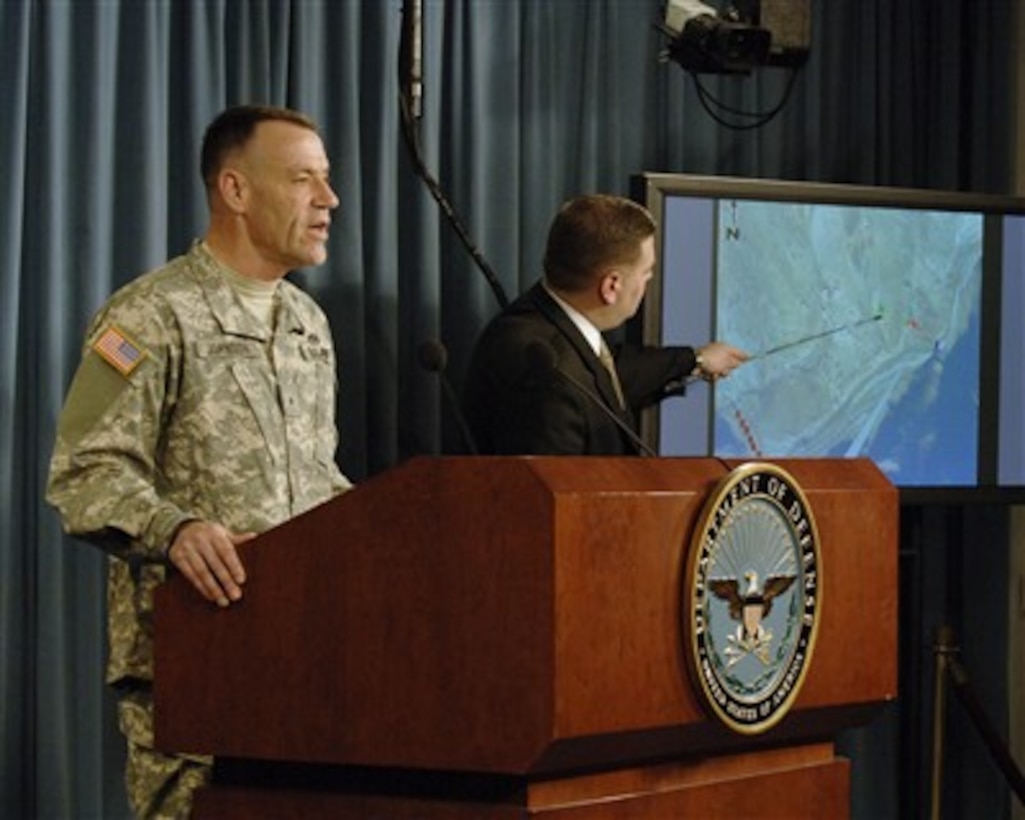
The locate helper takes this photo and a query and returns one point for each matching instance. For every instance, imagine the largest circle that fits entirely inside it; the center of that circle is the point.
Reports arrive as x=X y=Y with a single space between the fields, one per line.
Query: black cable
x=410 y=137
x=761 y=117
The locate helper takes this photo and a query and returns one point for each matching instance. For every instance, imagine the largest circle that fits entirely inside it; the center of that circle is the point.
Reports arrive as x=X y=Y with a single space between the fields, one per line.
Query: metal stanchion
x=947 y=663
x=943 y=648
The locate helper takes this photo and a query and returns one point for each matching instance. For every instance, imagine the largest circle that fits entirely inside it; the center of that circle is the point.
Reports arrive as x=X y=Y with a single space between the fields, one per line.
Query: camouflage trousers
x=160 y=786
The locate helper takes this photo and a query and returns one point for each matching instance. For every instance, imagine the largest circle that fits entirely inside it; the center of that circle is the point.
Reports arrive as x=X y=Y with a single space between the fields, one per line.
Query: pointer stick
x=815 y=336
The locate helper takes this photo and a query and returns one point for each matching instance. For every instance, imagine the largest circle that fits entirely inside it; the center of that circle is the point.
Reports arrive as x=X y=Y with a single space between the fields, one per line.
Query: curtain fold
x=526 y=103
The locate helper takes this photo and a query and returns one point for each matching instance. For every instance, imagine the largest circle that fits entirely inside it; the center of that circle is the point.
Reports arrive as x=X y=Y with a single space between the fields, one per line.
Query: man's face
x=288 y=196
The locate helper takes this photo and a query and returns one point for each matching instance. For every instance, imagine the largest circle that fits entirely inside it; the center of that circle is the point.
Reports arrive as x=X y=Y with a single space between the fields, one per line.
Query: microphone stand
x=543 y=358
x=434 y=358
x=642 y=446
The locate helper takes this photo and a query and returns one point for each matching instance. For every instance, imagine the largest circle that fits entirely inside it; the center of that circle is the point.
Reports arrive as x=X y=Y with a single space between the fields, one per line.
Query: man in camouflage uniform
x=202 y=411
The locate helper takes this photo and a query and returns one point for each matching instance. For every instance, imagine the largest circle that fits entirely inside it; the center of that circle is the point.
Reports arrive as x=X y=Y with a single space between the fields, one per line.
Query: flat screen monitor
x=881 y=322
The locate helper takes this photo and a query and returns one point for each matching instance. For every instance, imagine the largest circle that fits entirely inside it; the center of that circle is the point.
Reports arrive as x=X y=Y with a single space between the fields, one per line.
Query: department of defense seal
x=751 y=597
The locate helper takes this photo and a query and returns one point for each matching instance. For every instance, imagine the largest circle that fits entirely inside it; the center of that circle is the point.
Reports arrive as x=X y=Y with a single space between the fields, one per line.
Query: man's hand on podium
x=206 y=554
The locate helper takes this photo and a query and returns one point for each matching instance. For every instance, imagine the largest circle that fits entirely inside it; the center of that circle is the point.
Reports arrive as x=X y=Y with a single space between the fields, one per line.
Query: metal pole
x=943 y=648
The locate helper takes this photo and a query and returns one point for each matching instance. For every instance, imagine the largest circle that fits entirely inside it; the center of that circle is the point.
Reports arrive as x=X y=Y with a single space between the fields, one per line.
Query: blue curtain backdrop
x=526 y=103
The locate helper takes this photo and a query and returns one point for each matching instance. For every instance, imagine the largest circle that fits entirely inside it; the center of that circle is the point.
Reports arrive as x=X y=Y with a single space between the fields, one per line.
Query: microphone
x=434 y=358
x=542 y=358
x=411 y=64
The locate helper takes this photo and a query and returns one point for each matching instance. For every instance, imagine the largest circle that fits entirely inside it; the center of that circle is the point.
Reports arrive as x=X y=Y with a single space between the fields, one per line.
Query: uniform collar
x=225 y=304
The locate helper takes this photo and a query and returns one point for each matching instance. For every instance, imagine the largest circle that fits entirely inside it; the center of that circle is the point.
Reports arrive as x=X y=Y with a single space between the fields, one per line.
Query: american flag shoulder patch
x=118 y=350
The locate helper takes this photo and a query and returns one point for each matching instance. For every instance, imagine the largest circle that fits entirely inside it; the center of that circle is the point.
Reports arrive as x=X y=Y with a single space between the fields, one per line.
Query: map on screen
x=864 y=325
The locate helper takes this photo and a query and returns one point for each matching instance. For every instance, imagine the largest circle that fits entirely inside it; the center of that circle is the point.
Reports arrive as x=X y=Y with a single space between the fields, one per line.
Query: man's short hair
x=233 y=128
x=591 y=234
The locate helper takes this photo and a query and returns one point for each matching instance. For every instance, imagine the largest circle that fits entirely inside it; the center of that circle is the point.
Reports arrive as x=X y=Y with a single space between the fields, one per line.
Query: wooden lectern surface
x=509 y=615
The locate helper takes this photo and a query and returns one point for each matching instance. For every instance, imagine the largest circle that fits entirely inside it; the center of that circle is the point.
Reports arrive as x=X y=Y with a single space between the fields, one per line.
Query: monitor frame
x=654 y=190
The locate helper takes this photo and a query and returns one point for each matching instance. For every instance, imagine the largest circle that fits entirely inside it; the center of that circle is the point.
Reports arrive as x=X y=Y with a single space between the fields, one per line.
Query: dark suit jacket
x=516 y=403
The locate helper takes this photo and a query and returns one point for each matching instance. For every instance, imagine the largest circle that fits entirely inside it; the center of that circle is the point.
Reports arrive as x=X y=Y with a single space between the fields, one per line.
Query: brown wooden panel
x=507 y=615
x=397 y=625
x=792 y=782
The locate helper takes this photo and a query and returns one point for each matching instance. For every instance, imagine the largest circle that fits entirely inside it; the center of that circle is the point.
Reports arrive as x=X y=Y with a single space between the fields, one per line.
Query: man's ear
x=232 y=186
x=609 y=287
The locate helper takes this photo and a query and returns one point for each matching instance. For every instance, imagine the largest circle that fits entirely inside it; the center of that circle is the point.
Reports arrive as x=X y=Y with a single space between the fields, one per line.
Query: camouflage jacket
x=185 y=406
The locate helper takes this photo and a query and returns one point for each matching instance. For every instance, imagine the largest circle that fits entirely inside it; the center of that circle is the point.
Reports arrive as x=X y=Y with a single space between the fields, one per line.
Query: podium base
x=807 y=781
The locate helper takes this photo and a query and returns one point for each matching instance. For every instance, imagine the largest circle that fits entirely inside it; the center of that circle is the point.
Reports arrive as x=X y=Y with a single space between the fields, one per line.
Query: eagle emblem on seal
x=751 y=596
x=749 y=609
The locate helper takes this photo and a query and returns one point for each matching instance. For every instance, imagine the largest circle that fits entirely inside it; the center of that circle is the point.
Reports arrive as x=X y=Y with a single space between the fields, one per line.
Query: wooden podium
x=477 y=637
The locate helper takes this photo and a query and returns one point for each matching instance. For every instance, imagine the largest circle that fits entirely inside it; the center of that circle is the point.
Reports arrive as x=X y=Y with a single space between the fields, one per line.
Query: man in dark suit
x=537 y=383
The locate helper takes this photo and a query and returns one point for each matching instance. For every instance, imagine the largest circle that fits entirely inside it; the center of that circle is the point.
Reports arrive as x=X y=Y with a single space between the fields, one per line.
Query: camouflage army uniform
x=186 y=407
